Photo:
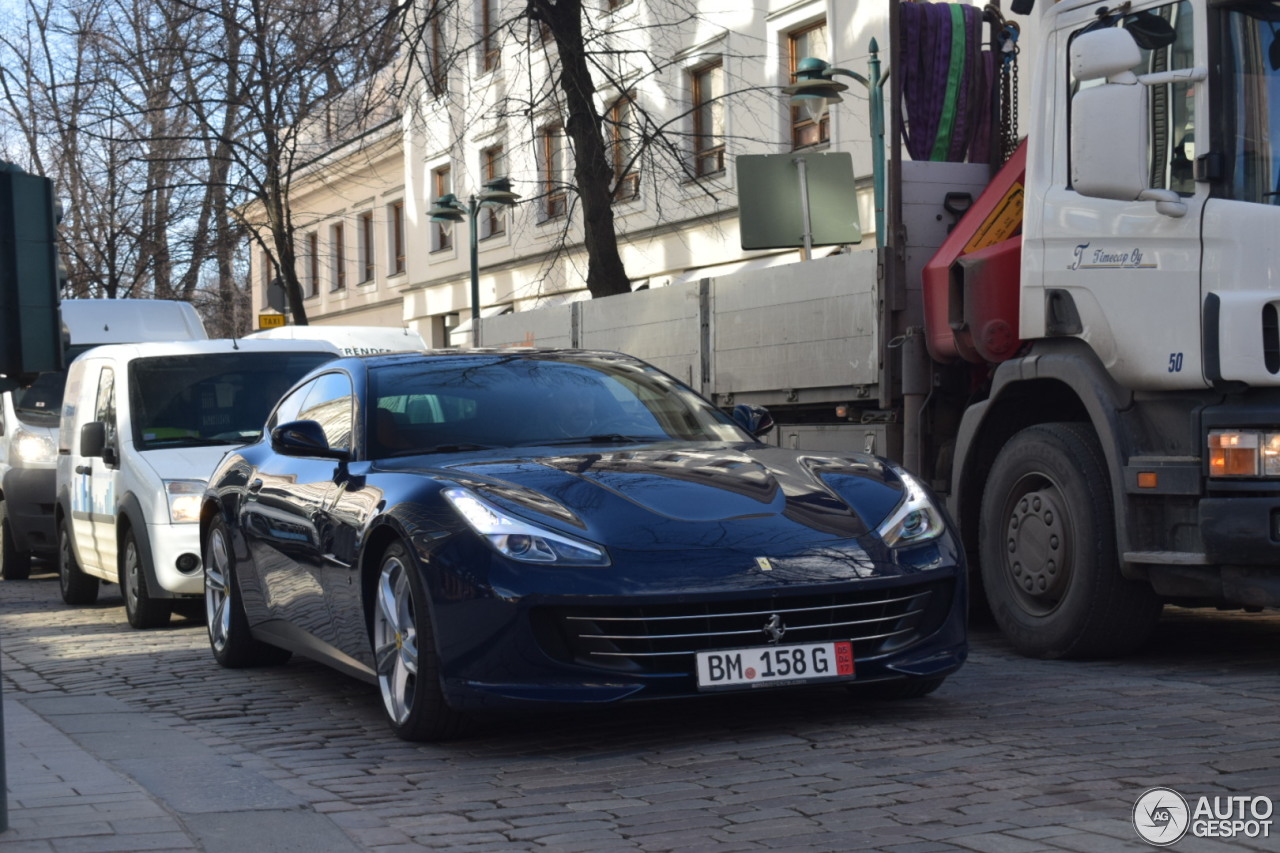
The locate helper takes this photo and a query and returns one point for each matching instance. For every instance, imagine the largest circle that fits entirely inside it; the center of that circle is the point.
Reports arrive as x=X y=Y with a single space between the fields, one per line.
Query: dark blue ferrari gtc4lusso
x=517 y=528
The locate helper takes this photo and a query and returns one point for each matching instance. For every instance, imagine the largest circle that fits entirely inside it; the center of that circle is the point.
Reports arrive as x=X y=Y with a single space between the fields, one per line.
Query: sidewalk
x=76 y=784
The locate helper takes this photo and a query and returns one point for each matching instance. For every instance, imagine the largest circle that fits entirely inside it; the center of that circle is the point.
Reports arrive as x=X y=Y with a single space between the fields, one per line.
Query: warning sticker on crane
x=1002 y=223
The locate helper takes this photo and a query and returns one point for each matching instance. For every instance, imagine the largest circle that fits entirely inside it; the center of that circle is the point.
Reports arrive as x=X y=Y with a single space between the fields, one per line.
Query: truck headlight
x=1244 y=453
x=33 y=448
x=184 y=500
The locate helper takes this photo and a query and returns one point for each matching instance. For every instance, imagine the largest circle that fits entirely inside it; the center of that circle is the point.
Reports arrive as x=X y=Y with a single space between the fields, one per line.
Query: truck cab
x=1128 y=454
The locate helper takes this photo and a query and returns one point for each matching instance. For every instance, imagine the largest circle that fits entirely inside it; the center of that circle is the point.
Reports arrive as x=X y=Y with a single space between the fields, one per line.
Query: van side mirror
x=304 y=438
x=93 y=439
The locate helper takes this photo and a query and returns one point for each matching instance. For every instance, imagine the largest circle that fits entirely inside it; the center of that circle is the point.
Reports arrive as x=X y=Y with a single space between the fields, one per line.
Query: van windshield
x=210 y=398
x=40 y=404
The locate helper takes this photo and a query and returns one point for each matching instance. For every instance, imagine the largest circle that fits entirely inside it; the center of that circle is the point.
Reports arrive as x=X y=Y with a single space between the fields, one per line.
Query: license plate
x=774 y=665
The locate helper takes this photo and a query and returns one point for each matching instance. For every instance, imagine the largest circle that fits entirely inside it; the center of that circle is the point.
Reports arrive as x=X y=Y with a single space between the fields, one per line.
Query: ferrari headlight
x=915 y=520
x=33 y=448
x=519 y=539
x=184 y=500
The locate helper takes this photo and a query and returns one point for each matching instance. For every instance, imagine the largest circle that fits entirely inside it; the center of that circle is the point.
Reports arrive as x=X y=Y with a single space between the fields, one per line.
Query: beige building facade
x=704 y=87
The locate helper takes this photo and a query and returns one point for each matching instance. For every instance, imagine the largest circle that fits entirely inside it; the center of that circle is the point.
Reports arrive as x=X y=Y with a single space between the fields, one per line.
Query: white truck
x=1087 y=366
x=29 y=417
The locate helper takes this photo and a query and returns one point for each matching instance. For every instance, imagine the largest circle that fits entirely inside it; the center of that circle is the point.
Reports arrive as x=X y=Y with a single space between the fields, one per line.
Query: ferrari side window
x=330 y=404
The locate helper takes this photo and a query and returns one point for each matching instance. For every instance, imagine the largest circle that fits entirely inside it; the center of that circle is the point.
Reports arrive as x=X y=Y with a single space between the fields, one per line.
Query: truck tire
x=140 y=607
x=76 y=586
x=15 y=565
x=1048 y=550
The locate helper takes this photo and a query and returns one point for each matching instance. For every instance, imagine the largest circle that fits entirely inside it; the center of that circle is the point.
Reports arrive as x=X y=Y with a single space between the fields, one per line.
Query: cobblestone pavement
x=1009 y=756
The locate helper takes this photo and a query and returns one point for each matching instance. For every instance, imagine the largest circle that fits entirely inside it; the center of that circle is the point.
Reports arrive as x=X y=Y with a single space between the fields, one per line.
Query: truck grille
x=660 y=638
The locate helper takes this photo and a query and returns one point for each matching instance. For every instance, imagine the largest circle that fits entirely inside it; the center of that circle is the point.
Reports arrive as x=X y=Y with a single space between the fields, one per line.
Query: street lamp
x=815 y=91
x=448 y=210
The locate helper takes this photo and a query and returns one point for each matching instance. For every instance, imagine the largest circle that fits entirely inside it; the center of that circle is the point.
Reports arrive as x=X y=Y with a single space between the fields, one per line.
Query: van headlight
x=184 y=500
x=915 y=519
x=521 y=540
x=33 y=448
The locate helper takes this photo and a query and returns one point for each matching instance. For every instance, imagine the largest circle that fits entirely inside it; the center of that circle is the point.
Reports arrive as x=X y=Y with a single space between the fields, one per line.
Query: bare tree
x=293 y=78
x=594 y=66
x=162 y=122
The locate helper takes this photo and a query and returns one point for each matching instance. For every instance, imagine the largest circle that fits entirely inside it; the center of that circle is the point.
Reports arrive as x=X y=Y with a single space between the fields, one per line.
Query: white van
x=29 y=417
x=352 y=340
x=143 y=426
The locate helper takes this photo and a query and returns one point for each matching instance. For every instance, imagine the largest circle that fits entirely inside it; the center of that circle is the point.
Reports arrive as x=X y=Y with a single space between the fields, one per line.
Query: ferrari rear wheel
x=229 y=638
x=405 y=656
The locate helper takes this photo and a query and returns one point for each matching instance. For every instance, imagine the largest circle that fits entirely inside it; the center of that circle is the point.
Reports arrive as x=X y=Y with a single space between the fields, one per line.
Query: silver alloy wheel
x=217 y=597
x=395 y=640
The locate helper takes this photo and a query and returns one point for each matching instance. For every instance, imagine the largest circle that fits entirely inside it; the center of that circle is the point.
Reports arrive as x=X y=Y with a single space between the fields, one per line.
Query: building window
x=623 y=149
x=395 y=219
x=441 y=185
x=368 y=266
x=555 y=201
x=490 y=21
x=707 y=84
x=810 y=41
x=337 y=240
x=493 y=221
x=437 y=70
x=313 y=263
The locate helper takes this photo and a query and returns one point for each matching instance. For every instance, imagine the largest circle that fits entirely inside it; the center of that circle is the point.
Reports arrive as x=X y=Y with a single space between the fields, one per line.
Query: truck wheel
x=143 y=610
x=75 y=585
x=15 y=565
x=1048 y=546
x=229 y=637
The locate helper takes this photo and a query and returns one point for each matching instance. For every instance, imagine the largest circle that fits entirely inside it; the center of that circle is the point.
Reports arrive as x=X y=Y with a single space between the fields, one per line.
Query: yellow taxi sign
x=270 y=321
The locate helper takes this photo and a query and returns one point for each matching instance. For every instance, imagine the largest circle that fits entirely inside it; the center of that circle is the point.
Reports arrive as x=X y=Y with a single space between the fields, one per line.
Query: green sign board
x=770 y=200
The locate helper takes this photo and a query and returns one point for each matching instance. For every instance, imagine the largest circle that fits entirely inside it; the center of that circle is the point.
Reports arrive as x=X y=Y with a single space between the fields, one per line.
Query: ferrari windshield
x=483 y=401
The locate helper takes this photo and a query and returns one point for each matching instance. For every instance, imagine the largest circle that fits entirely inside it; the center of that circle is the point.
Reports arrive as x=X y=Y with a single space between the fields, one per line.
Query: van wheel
x=1048 y=545
x=15 y=565
x=229 y=638
x=143 y=610
x=76 y=586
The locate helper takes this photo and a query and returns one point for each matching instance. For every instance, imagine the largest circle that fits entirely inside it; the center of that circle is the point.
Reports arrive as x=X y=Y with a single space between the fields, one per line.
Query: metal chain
x=1008 y=90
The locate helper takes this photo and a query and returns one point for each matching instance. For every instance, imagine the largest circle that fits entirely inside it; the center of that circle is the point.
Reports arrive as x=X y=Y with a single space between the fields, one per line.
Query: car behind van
x=29 y=417
x=142 y=427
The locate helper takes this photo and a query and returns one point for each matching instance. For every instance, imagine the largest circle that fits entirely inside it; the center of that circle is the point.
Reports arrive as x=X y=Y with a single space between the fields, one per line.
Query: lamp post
x=816 y=91
x=448 y=210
